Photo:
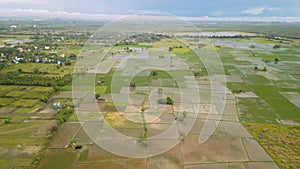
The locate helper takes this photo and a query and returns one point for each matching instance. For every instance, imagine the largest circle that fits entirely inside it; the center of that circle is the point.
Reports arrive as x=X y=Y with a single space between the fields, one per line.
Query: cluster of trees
x=148 y=37
x=198 y=73
x=168 y=101
x=170 y=48
x=64 y=114
x=2 y=65
x=140 y=38
x=34 y=80
x=143 y=138
x=276 y=46
x=264 y=69
x=32 y=56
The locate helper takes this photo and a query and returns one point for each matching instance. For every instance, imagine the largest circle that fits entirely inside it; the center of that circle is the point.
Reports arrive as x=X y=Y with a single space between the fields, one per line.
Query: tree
x=170 y=101
x=132 y=85
x=68 y=63
x=276 y=46
x=197 y=73
x=97 y=96
x=36 y=71
x=265 y=69
x=143 y=137
x=184 y=114
x=44 y=99
x=77 y=147
x=153 y=73
x=73 y=56
x=20 y=70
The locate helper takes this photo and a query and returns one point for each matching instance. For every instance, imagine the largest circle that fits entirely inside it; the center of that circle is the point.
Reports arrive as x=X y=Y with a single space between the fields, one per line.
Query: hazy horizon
x=233 y=10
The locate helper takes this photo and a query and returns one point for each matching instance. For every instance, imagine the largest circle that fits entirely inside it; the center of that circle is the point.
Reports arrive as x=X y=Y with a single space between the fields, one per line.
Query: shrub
x=170 y=101
x=78 y=147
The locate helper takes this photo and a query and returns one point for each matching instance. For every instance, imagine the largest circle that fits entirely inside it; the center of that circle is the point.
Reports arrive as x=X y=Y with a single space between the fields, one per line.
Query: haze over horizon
x=279 y=10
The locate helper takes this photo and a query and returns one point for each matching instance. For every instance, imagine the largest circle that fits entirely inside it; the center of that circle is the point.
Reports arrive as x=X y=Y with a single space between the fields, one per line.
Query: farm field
x=28 y=90
x=141 y=88
x=256 y=99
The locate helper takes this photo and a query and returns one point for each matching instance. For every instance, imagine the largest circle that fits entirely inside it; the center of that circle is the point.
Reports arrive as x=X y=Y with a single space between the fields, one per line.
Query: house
x=60 y=63
x=47 y=47
x=45 y=60
x=20 y=50
x=13 y=26
x=3 y=57
x=16 y=60
x=56 y=105
x=37 y=59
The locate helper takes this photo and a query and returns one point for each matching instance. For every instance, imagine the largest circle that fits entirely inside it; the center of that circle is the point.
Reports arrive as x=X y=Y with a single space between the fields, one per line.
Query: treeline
x=34 y=80
x=142 y=38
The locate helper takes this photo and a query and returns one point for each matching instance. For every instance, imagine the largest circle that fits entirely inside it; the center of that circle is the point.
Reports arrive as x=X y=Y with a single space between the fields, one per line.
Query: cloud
x=245 y=19
x=274 y=9
x=255 y=11
x=260 y=10
x=217 y=13
x=22 y=2
x=46 y=14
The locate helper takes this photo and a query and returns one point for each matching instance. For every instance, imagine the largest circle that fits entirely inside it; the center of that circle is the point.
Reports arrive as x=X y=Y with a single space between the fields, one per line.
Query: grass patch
x=142 y=80
x=6 y=102
x=117 y=121
x=100 y=89
x=58 y=159
x=167 y=43
x=24 y=110
x=16 y=162
x=35 y=95
x=181 y=50
x=83 y=155
x=256 y=110
x=280 y=141
x=14 y=141
x=27 y=103
x=276 y=103
x=17 y=94
x=238 y=87
x=43 y=89
x=31 y=67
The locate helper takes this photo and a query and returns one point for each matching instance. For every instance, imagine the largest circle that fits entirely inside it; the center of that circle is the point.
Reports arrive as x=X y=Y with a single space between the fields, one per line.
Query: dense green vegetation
x=34 y=80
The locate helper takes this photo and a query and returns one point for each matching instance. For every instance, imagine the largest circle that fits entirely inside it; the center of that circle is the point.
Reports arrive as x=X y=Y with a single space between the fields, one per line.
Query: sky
x=186 y=8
